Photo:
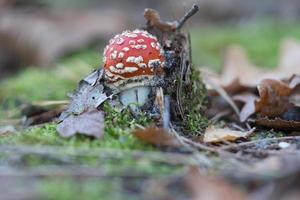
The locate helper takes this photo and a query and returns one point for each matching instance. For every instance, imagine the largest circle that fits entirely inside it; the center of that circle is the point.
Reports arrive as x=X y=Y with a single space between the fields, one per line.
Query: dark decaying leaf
x=44 y=117
x=153 y=18
x=278 y=123
x=157 y=136
x=274 y=100
x=89 y=123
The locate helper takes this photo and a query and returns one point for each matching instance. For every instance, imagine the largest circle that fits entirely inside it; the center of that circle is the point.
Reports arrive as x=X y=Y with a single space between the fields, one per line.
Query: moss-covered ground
x=261 y=41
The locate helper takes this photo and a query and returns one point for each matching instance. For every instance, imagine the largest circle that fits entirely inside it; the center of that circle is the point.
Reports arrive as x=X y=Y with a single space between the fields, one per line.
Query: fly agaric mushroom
x=133 y=63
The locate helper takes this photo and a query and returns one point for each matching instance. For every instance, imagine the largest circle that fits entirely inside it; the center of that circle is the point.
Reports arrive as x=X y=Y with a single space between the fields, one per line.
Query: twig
x=220 y=115
x=222 y=93
x=50 y=103
x=262 y=140
x=199 y=145
x=188 y=15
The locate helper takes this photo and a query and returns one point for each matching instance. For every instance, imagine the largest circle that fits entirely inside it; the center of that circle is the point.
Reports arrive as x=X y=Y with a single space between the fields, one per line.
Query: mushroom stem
x=135 y=97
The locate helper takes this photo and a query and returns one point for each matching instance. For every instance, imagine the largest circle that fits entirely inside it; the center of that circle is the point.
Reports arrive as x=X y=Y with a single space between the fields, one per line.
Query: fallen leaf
x=88 y=95
x=44 y=117
x=274 y=98
x=157 y=136
x=279 y=124
x=213 y=134
x=238 y=69
x=89 y=123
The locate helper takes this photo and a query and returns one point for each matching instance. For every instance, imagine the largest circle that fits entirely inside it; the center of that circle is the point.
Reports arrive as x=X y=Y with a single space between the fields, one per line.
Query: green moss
x=72 y=189
x=194 y=103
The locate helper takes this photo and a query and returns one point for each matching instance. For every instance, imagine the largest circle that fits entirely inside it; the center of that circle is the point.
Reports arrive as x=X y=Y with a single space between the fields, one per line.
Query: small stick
x=258 y=141
x=188 y=15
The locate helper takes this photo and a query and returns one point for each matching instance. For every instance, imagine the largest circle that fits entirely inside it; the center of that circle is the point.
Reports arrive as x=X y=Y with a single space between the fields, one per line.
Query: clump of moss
x=194 y=102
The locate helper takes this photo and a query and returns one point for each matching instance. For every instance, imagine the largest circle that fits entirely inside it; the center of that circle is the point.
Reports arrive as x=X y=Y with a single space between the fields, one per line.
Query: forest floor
x=40 y=163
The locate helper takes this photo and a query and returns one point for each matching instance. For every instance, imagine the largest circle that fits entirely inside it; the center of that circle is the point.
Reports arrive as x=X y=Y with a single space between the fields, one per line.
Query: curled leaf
x=278 y=123
x=213 y=134
x=274 y=98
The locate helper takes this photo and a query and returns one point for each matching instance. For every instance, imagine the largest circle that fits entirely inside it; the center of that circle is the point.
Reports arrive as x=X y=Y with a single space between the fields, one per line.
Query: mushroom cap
x=133 y=58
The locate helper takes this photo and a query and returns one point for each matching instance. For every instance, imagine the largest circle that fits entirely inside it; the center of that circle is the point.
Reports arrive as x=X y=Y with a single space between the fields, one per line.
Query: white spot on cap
x=152 y=37
x=117 y=36
x=129 y=34
x=141 y=41
x=113 y=55
x=135 y=60
x=111 y=41
x=119 y=65
x=121 y=55
x=145 y=35
x=120 y=41
x=122 y=71
x=152 y=44
x=142 y=65
x=137 y=31
x=108 y=74
x=139 y=46
x=125 y=49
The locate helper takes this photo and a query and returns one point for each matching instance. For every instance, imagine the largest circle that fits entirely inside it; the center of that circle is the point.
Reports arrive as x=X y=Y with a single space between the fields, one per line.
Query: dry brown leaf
x=214 y=134
x=238 y=67
x=278 y=123
x=89 y=123
x=44 y=117
x=157 y=136
x=273 y=101
x=274 y=98
x=153 y=18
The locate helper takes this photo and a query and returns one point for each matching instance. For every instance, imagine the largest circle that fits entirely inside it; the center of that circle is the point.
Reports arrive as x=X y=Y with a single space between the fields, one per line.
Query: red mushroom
x=133 y=63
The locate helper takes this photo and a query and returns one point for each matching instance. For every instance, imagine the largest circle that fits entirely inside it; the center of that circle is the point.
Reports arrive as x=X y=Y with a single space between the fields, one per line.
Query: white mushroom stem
x=135 y=97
